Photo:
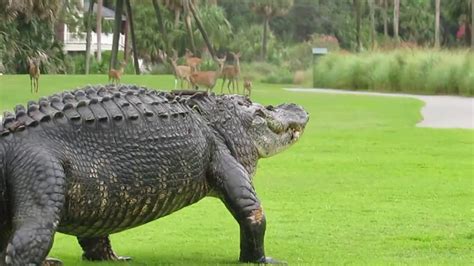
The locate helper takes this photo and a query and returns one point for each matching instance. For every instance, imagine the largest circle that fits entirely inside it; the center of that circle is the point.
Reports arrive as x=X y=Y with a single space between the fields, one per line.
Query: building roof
x=107 y=13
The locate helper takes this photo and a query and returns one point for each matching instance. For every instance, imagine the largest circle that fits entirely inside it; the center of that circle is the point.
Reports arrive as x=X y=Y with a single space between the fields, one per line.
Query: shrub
x=403 y=70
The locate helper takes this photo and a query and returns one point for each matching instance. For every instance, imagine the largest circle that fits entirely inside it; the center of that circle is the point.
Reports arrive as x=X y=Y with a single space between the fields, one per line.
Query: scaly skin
x=101 y=160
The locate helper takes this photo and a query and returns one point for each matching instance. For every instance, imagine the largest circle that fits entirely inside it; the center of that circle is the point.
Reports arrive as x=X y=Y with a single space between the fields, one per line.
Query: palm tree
x=88 y=35
x=269 y=9
x=437 y=17
x=396 y=19
x=189 y=9
x=99 y=30
x=179 y=7
x=43 y=9
x=117 y=29
x=132 y=32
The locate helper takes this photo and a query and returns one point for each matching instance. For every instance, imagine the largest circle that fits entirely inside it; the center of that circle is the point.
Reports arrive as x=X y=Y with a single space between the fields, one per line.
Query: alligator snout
x=293 y=116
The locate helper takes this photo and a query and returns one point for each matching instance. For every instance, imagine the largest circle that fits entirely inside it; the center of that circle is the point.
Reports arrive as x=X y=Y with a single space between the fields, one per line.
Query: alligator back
x=130 y=155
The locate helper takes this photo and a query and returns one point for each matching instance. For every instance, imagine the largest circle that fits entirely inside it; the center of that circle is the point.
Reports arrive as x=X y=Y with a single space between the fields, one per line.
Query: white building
x=76 y=41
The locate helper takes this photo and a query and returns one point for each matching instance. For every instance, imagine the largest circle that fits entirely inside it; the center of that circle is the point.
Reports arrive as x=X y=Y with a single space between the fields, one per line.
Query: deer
x=232 y=73
x=116 y=74
x=192 y=61
x=247 y=86
x=180 y=72
x=34 y=71
x=208 y=79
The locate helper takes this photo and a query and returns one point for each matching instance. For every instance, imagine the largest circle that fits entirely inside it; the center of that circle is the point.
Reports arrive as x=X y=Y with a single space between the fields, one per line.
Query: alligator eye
x=270 y=108
x=260 y=113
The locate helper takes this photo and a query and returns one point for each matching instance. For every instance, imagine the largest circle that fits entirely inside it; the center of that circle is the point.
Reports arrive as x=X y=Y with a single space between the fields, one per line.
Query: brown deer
x=192 y=61
x=33 y=69
x=207 y=79
x=180 y=72
x=232 y=73
x=247 y=86
x=116 y=74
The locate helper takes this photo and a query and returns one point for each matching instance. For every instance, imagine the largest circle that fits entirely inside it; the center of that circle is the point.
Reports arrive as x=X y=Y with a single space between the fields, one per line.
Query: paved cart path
x=438 y=112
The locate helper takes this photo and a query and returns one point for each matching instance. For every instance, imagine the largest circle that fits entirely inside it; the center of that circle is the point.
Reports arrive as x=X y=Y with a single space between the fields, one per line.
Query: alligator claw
x=52 y=262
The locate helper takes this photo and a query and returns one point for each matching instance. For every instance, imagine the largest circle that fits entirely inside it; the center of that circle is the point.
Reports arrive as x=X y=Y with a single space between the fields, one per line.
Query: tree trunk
x=126 y=30
x=132 y=33
x=202 y=30
x=263 y=54
x=99 y=30
x=385 y=19
x=472 y=24
x=396 y=18
x=166 y=47
x=88 y=36
x=116 y=38
x=437 y=17
x=189 y=29
x=177 y=15
x=372 y=23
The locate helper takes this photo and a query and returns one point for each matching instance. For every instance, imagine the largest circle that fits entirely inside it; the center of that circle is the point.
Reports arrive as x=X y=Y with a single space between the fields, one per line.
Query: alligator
x=98 y=160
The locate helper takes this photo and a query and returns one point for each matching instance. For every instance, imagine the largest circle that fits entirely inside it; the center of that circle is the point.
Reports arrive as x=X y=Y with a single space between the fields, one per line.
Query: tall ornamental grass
x=410 y=71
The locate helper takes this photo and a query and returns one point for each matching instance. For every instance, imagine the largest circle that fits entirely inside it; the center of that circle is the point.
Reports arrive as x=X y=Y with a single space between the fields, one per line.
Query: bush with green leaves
x=404 y=70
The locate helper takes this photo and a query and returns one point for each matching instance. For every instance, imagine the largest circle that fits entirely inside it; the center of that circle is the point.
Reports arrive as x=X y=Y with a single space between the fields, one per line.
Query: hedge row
x=408 y=71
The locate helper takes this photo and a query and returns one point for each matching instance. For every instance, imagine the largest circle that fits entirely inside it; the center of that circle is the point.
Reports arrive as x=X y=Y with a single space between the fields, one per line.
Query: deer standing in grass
x=33 y=69
x=232 y=73
x=116 y=74
x=192 y=61
x=247 y=86
x=180 y=72
x=207 y=79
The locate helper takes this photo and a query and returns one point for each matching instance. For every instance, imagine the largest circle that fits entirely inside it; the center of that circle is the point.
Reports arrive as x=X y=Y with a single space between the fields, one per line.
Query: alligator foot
x=52 y=262
x=269 y=260
x=99 y=249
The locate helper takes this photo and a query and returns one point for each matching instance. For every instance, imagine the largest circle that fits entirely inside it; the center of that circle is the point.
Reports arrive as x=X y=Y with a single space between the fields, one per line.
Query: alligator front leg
x=36 y=185
x=99 y=249
x=239 y=196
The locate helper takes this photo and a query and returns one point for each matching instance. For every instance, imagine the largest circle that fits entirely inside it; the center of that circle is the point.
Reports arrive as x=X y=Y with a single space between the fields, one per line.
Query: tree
x=88 y=36
x=179 y=7
x=269 y=9
x=27 y=30
x=201 y=29
x=117 y=30
x=396 y=19
x=98 y=30
x=357 y=7
x=437 y=17
x=132 y=32
x=385 y=19
x=161 y=26
x=373 y=32
x=472 y=24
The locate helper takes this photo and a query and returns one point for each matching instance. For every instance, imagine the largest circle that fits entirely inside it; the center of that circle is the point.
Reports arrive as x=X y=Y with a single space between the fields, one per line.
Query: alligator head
x=274 y=129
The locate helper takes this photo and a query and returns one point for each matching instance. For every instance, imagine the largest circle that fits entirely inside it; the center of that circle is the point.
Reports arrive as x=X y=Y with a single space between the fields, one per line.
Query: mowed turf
x=362 y=186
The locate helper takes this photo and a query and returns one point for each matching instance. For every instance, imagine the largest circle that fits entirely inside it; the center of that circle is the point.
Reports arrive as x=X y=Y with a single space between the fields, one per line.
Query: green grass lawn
x=362 y=186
